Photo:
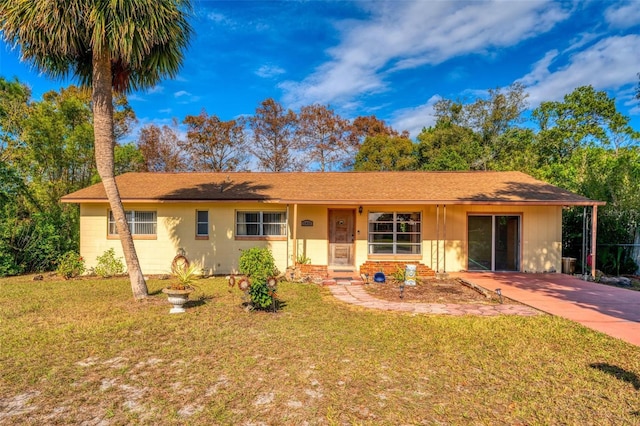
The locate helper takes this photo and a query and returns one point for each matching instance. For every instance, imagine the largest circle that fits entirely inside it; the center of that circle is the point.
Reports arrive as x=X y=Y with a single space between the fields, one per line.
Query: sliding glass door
x=493 y=242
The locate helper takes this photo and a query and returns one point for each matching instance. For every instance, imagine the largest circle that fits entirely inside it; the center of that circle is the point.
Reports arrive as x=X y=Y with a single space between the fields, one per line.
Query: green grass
x=83 y=351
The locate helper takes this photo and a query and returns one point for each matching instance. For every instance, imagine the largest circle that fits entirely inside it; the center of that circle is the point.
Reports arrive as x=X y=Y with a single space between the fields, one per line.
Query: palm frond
x=144 y=38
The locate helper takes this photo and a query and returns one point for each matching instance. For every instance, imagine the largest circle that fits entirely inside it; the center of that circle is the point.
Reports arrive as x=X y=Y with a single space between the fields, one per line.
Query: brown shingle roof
x=337 y=188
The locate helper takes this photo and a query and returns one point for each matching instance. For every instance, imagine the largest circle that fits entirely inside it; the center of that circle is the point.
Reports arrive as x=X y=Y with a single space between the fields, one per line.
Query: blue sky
x=393 y=59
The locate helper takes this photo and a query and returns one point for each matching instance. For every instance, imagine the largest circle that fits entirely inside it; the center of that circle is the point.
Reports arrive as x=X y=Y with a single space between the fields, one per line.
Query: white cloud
x=410 y=34
x=155 y=89
x=540 y=69
x=269 y=71
x=185 y=97
x=142 y=122
x=612 y=63
x=623 y=16
x=135 y=97
x=414 y=119
x=220 y=19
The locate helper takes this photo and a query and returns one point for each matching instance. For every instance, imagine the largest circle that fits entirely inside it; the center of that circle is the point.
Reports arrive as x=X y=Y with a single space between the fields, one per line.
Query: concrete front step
x=331 y=281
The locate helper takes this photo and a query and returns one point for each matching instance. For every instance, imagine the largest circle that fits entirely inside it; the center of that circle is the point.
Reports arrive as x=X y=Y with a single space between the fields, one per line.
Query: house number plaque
x=306 y=223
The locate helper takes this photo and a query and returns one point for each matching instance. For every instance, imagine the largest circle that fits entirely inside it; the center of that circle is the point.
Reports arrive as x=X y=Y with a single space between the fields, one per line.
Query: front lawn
x=82 y=351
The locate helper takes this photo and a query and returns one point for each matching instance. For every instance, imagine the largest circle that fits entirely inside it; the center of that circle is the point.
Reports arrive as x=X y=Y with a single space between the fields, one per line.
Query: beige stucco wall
x=176 y=228
x=541 y=238
x=312 y=240
x=540 y=245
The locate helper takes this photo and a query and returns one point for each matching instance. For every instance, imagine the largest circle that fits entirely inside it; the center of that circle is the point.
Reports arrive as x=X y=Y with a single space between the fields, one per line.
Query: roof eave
x=348 y=202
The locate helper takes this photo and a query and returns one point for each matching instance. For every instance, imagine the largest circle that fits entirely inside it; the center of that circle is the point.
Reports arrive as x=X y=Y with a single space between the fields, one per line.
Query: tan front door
x=341 y=237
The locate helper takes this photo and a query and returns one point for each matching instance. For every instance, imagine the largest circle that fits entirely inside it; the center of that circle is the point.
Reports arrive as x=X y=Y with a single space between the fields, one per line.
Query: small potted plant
x=181 y=286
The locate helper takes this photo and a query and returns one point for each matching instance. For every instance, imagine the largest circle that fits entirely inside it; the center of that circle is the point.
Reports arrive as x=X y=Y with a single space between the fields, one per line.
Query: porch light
x=360 y=209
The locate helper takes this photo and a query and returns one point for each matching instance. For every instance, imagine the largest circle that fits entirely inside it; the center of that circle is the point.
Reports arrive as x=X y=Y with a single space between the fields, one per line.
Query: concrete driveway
x=611 y=310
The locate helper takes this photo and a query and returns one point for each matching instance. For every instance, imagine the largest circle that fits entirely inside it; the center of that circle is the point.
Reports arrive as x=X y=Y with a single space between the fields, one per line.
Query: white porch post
x=437 y=268
x=294 y=234
x=444 y=240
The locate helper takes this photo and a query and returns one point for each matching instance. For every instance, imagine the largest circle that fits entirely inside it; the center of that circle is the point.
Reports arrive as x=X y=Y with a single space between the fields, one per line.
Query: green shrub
x=8 y=265
x=70 y=265
x=30 y=244
x=261 y=296
x=260 y=268
x=108 y=265
x=258 y=264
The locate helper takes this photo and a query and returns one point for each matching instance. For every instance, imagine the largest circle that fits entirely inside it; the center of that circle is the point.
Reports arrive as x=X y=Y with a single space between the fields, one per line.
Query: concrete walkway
x=611 y=310
x=357 y=295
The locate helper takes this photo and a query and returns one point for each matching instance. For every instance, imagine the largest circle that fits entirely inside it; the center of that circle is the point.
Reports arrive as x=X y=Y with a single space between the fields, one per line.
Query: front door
x=494 y=242
x=341 y=237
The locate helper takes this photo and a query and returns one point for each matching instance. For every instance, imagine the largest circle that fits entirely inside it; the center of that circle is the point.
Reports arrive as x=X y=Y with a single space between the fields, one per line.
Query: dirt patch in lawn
x=435 y=291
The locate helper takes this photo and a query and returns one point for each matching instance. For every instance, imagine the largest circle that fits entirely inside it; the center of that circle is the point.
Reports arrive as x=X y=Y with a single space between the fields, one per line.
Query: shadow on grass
x=275 y=307
x=618 y=373
x=201 y=300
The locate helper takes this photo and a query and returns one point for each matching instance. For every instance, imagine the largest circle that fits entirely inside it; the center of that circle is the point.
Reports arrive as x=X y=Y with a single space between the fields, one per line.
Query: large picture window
x=261 y=224
x=140 y=223
x=395 y=233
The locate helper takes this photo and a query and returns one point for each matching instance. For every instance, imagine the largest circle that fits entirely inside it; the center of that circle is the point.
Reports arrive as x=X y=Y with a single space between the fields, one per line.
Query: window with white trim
x=202 y=223
x=395 y=233
x=261 y=223
x=140 y=222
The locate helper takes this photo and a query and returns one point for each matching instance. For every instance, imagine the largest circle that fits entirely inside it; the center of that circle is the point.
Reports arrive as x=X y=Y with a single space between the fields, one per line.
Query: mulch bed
x=433 y=291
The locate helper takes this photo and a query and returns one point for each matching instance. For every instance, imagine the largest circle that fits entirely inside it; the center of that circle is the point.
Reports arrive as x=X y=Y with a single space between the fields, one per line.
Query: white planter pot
x=177 y=298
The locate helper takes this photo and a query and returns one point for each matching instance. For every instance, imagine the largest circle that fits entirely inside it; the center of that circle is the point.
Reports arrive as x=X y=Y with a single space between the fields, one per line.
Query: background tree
x=364 y=126
x=121 y=45
x=213 y=145
x=518 y=151
x=324 y=135
x=447 y=146
x=585 y=117
x=160 y=148
x=49 y=153
x=385 y=153
x=56 y=144
x=489 y=118
x=128 y=158
x=275 y=144
x=14 y=104
x=586 y=145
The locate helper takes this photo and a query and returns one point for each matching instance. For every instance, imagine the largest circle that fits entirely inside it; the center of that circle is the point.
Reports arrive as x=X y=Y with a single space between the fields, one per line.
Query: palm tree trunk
x=104 y=143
